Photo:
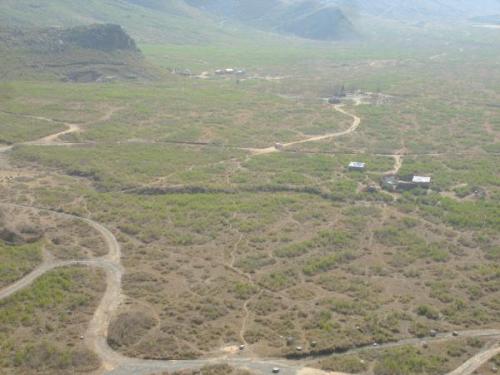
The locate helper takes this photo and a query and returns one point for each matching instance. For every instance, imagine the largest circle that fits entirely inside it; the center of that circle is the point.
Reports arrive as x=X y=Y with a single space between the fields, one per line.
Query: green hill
x=326 y=23
x=183 y=21
x=82 y=53
x=146 y=20
x=423 y=10
x=309 y=19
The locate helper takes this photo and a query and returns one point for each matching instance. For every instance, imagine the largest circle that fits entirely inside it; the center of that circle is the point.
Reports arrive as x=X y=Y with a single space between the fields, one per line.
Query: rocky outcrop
x=106 y=37
x=90 y=53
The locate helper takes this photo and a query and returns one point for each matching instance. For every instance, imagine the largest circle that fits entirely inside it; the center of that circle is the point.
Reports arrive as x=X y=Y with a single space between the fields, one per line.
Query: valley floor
x=167 y=226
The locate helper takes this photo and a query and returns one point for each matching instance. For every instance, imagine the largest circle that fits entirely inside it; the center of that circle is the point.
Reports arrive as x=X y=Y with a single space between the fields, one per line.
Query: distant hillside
x=421 y=10
x=304 y=18
x=323 y=24
x=184 y=21
x=146 y=20
x=83 y=53
x=491 y=20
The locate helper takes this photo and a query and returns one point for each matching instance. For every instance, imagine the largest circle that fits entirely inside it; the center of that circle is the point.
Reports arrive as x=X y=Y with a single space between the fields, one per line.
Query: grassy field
x=15 y=129
x=17 y=260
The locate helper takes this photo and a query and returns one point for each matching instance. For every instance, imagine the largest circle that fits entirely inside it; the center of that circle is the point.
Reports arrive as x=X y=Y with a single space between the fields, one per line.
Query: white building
x=421 y=180
x=356 y=166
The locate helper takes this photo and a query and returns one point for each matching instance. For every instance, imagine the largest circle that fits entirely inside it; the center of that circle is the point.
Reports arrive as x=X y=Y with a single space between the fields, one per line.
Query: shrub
x=428 y=311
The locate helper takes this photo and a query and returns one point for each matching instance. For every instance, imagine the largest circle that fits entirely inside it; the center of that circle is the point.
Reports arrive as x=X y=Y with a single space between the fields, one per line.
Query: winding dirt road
x=52 y=139
x=97 y=332
x=115 y=363
x=339 y=108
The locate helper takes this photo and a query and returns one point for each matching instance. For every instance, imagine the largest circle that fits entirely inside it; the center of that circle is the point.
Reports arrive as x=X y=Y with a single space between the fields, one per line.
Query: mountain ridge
x=310 y=19
x=424 y=10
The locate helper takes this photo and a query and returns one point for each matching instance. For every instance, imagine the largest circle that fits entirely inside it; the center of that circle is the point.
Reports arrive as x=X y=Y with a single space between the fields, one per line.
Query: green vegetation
x=18 y=260
x=428 y=312
x=131 y=165
x=290 y=242
x=145 y=22
x=347 y=364
x=15 y=129
x=409 y=361
x=42 y=324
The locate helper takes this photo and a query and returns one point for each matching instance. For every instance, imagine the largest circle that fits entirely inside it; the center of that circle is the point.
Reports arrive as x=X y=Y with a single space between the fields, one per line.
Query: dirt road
x=469 y=367
x=97 y=332
x=398 y=163
x=339 y=108
x=51 y=139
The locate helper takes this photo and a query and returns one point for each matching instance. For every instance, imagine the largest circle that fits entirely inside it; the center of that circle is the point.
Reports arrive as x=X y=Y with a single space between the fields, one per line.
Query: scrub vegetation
x=288 y=253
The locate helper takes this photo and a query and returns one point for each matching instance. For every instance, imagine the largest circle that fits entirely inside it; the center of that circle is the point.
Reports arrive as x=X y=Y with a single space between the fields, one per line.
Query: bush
x=428 y=311
x=326 y=263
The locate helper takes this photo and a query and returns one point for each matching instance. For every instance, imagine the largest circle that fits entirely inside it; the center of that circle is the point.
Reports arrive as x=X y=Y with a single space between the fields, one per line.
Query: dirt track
x=339 y=108
x=469 y=367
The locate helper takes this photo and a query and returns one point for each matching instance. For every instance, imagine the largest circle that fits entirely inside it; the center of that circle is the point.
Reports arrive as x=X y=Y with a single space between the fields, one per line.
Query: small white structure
x=279 y=146
x=421 y=180
x=356 y=166
x=230 y=71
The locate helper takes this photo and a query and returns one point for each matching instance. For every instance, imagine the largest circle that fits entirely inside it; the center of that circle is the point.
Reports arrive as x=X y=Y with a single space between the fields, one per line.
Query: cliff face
x=106 y=37
x=101 y=38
